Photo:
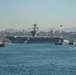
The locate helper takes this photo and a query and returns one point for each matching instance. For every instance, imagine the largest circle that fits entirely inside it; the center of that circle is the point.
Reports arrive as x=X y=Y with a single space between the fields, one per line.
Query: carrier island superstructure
x=34 y=38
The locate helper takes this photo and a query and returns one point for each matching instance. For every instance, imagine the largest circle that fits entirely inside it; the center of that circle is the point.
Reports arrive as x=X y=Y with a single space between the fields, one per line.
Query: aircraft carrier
x=34 y=38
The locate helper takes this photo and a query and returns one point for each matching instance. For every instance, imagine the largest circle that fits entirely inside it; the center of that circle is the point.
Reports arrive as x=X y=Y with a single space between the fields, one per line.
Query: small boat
x=2 y=44
x=71 y=43
x=59 y=43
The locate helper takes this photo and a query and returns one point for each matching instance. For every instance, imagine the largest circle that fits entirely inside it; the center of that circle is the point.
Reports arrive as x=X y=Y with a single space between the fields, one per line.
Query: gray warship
x=34 y=38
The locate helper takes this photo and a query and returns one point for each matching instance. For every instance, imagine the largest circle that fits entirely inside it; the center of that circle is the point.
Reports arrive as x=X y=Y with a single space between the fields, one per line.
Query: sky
x=48 y=14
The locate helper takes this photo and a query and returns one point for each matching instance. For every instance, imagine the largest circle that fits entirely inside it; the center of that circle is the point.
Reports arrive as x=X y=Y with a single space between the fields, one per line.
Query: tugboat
x=59 y=42
x=2 y=44
x=72 y=43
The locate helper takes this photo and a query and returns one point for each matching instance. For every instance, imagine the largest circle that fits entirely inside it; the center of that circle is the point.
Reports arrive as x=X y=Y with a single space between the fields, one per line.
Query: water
x=38 y=59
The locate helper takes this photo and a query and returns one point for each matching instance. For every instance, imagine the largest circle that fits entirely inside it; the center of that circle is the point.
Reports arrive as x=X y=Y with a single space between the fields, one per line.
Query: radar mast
x=34 y=29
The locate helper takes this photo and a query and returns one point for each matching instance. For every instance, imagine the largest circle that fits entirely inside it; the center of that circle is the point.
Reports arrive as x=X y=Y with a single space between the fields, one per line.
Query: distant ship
x=34 y=38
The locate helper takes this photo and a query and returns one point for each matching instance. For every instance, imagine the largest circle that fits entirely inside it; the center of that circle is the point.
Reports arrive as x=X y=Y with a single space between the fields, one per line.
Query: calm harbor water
x=38 y=59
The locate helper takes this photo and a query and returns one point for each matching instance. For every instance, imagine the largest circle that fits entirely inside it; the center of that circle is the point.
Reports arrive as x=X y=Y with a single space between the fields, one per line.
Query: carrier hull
x=34 y=39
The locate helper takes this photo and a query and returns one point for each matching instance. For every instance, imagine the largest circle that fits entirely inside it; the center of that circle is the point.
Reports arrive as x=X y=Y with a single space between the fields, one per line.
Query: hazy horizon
x=22 y=14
